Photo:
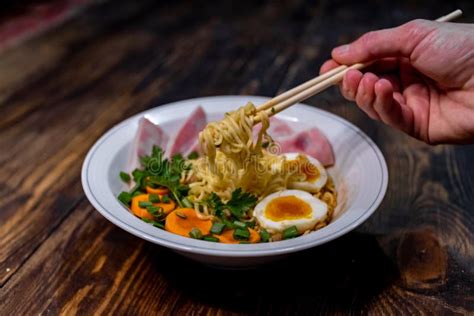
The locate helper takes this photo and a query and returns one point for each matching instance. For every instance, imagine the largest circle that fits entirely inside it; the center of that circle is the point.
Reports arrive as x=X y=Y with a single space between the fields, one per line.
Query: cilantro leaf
x=157 y=171
x=193 y=155
x=215 y=203
x=164 y=172
x=240 y=203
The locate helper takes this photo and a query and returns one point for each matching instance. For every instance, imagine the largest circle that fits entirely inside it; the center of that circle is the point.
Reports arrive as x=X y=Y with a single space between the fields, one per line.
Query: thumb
x=394 y=42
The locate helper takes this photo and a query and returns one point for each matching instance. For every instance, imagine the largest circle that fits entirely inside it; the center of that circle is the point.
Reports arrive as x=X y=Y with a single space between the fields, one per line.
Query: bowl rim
x=189 y=245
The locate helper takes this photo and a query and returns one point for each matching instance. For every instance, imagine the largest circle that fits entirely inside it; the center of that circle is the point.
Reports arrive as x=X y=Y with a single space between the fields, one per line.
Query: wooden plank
x=75 y=117
x=40 y=57
x=414 y=256
x=90 y=266
x=52 y=151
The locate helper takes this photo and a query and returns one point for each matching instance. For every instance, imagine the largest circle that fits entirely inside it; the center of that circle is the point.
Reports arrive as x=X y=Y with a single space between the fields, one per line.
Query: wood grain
x=61 y=91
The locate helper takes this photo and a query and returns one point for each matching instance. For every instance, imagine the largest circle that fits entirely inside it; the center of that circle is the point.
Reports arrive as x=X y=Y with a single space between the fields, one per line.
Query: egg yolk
x=287 y=207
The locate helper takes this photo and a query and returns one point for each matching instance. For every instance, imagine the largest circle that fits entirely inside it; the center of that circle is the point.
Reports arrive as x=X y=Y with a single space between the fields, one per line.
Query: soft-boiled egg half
x=281 y=210
x=314 y=174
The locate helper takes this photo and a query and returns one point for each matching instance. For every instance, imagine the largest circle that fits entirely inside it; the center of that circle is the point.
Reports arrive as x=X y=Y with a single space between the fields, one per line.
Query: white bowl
x=360 y=174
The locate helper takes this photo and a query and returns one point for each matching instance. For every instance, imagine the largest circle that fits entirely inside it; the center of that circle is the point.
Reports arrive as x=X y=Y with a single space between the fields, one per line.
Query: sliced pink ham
x=196 y=147
x=188 y=133
x=278 y=128
x=311 y=142
x=148 y=134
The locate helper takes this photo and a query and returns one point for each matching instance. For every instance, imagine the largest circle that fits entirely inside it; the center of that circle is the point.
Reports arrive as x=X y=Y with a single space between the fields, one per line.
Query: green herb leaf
x=162 y=172
x=290 y=232
x=125 y=176
x=154 y=198
x=240 y=203
x=195 y=233
x=193 y=155
x=136 y=188
x=137 y=175
x=215 y=203
x=217 y=228
x=165 y=199
x=137 y=193
x=125 y=198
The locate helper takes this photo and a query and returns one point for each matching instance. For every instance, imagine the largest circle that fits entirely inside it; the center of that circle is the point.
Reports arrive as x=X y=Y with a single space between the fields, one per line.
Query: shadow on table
x=343 y=274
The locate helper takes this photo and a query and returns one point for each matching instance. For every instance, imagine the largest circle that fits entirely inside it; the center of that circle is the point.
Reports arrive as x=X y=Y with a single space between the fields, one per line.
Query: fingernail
x=342 y=49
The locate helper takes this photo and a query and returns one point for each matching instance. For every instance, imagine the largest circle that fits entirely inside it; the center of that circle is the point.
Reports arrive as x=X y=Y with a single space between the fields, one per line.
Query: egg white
x=319 y=211
x=314 y=185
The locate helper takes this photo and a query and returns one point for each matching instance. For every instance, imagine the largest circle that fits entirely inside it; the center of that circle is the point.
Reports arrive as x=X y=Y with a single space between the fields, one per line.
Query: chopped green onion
x=136 y=188
x=250 y=224
x=187 y=203
x=195 y=233
x=137 y=193
x=241 y=234
x=158 y=224
x=238 y=224
x=154 y=198
x=137 y=175
x=125 y=198
x=180 y=215
x=264 y=236
x=144 y=204
x=154 y=223
x=152 y=182
x=177 y=156
x=165 y=199
x=193 y=155
x=154 y=210
x=124 y=176
x=217 y=228
x=290 y=232
x=228 y=223
x=210 y=238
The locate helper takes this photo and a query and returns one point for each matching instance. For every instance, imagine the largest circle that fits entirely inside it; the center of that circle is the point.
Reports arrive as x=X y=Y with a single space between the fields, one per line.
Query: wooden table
x=61 y=91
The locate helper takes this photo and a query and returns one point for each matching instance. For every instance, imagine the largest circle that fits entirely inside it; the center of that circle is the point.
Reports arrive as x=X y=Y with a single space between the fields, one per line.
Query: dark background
x=62 y=89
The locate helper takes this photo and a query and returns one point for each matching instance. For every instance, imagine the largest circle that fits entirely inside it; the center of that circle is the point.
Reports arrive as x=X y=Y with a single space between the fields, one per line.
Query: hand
x=425 y=79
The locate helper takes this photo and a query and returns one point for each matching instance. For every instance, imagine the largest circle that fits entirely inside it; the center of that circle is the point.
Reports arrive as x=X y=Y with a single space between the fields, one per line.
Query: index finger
x=328 y=65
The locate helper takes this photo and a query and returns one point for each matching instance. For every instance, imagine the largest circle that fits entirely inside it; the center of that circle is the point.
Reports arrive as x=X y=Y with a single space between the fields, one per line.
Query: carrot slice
x=143 y=213
x=166 y=207
x=182 y=220
x=140 y=211
x=227 y=237
x=159 y=191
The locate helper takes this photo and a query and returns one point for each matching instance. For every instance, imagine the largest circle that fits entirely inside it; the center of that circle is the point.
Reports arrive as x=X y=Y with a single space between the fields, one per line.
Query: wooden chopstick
x=449 y=17
x=320 y=83
x=305 y=85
